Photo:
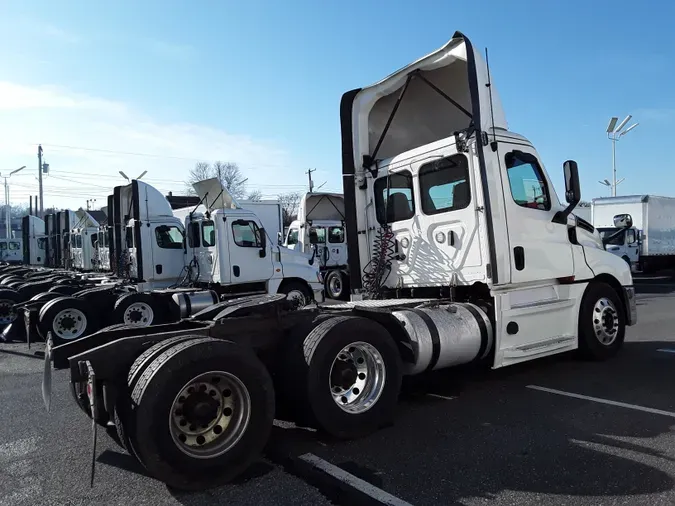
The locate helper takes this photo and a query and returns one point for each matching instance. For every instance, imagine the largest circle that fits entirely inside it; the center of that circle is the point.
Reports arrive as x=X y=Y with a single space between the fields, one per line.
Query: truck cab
x=443 y=200
x=624 y=243
x=319 y=231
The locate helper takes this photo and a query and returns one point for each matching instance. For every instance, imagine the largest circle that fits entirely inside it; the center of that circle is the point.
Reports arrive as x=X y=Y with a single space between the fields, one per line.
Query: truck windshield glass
x=169 y=237
x=606 y=232
x=317 y=235
x=400 y=204
x=528 y=185
x=208 y=233
x=246 y=234
x=444 y=185
x=336 y=235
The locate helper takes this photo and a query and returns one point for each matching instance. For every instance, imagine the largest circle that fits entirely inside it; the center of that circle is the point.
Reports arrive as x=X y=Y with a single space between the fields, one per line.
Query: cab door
x=540 y=249
x=250 y=259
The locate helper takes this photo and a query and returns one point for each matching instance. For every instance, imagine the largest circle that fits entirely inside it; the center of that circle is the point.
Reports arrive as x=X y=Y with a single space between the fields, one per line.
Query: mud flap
x=91 y=393
x=47 y=375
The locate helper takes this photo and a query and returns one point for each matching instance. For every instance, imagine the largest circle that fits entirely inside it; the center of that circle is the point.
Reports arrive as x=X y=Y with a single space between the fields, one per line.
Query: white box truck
x=650 y=244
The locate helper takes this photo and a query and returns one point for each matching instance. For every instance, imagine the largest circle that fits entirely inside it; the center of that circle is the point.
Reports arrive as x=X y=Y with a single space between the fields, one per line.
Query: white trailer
x=319 y=230
x=650 y=244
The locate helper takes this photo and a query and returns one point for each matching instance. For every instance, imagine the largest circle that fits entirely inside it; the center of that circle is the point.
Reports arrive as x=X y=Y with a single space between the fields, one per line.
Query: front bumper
x=631 y=304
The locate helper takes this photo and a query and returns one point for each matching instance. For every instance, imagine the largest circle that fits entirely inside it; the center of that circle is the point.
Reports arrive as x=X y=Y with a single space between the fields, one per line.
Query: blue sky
x=259 y=83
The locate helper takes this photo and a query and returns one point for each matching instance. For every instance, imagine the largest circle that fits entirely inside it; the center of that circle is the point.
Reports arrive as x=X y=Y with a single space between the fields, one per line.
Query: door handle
x=519 y=257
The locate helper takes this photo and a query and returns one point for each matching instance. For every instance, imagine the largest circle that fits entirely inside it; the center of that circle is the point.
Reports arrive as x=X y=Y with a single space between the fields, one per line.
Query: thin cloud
x=55 y=33
x=87 y=140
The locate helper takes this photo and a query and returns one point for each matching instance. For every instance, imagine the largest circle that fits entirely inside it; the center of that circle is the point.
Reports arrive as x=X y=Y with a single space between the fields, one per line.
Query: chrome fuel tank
x=446 y=335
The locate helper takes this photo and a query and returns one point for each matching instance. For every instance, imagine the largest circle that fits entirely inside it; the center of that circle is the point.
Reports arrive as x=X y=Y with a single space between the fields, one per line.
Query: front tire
x=336 y=285
x=602 y=322
x=202 y=412
x=297 y=292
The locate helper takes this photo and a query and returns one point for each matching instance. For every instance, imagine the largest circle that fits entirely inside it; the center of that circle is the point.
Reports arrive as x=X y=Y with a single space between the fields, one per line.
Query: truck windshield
x=606 y=232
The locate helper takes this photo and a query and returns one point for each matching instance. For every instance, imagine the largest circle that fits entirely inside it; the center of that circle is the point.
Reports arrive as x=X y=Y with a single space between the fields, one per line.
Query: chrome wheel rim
x=139 y=314
x=605 y=321
x=7 y=311
x=296 y=296
x=335 y=286
x=69 y=324
x=357 y=377
x=210 y=414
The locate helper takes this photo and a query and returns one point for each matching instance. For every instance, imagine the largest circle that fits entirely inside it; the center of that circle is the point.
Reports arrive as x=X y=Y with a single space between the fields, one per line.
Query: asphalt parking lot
x=554 y=431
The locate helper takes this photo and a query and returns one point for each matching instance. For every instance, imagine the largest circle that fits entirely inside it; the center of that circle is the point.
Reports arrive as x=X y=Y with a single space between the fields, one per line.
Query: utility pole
x=614 y=133
x=42 y=202
x=311 y=183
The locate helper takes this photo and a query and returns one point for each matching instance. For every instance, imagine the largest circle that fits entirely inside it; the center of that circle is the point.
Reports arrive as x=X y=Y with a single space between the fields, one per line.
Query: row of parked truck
x=458 y=251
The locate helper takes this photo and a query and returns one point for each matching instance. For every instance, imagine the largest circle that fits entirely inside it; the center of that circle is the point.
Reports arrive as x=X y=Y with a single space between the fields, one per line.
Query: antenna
x=492 y=112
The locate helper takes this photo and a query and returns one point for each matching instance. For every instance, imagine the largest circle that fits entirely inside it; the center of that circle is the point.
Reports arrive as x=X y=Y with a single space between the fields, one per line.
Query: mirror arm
x=561 y=216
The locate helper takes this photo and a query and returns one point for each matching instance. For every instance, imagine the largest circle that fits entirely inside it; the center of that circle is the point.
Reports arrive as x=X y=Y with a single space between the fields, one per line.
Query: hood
x=213 y=195
x=322 y=207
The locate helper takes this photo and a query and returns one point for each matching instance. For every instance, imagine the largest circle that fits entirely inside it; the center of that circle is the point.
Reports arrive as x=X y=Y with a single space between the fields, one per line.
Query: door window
x=444 y=185
x=208 y=233
x=14 y=246
x=527 y=181
x=130 y=237
x=41 y=243
x=292 y=238
x=169 y=237
x=394 y=198
x=631 y=237
x=246 y=234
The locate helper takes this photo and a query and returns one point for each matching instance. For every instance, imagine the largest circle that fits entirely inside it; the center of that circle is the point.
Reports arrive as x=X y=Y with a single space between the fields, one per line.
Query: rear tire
x=8 y=298
x=348 y=377
x=180 y=386
x=67 y=318
x=137 y=309
x=602 y=322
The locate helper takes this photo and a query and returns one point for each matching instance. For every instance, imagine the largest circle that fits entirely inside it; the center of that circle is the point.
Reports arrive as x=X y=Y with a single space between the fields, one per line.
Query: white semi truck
x=459 y=252
x=649 y=245
x=84 y=241
x=160 y=276
x=319 y=230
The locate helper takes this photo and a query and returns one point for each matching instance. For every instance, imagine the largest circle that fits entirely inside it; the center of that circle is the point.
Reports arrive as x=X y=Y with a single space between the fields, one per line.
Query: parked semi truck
x=649 y=245
x=459 y=251
x=84 y=242
x=319 y=230
x=34 y=241
x=161 y=277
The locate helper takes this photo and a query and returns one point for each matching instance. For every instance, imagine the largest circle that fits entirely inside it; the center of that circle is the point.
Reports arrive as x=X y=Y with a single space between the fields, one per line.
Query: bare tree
x=255 y=196
x=289 y=206
x=228 y=174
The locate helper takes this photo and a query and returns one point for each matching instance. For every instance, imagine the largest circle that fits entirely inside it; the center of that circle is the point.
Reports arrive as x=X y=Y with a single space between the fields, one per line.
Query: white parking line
x=603 y=401
x=445 y=397
x=666 y=350
x=354 y=482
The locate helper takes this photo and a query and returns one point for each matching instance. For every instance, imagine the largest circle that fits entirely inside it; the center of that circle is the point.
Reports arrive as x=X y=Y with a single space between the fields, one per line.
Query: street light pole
x=614 y=133
x=8 y=220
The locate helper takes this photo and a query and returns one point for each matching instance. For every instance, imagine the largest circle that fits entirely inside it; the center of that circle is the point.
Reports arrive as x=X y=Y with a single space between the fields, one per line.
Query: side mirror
x=263 y=243
x=280 y=239
x=572 y=186
x=623 y=221
x=572 y=191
